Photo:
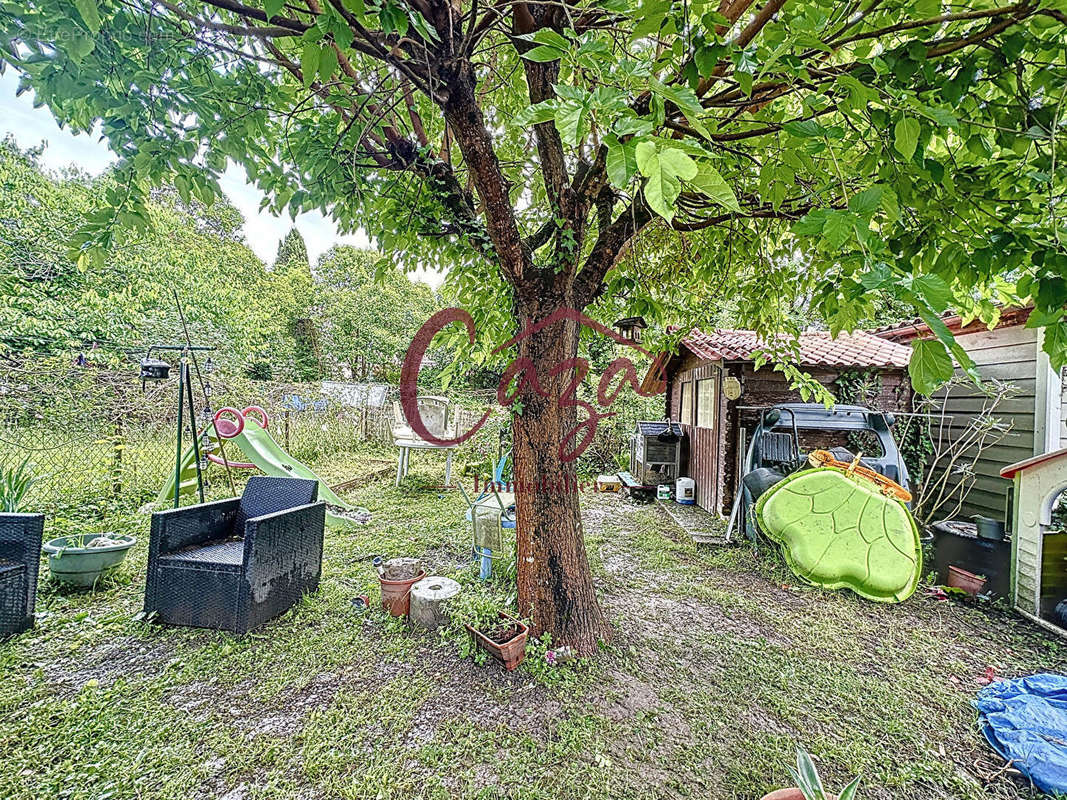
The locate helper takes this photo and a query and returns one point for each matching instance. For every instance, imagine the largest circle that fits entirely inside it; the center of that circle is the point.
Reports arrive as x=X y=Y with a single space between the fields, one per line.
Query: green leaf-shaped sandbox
x=838 y=531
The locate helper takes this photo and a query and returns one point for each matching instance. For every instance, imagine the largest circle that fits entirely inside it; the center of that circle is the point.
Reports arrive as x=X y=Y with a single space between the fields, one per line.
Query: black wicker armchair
x=234 y=564
x=20 y=558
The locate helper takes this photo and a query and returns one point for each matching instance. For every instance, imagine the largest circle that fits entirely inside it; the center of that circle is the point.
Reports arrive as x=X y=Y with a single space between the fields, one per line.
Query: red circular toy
x=228 y=428
x=264 y=420
x=232 y=464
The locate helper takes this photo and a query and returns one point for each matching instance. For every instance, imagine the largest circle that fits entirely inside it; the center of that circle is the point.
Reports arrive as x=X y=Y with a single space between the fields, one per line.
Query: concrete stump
x=429 y=601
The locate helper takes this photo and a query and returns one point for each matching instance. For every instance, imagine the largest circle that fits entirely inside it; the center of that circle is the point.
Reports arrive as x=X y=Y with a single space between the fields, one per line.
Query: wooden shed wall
x=1008 y=354
x=706 y=446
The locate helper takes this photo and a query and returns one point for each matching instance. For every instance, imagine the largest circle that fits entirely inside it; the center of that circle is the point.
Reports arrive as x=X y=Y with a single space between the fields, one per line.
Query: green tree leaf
x=687 y=101
x=272 y=7
x=89 y=11
x=79 y=46
x=309 y=62
x=543 y=53
x=327 y=63
x=934 y=290
x=664 y=171
x=572 y=121
x=710 y=183
x=812 y=223
x=1055 y=344
x=622 y=161
x=678 y=163
x=838 y=228
x=930 y=366
x=906 y=136
x=534 y=115
x=865 y=203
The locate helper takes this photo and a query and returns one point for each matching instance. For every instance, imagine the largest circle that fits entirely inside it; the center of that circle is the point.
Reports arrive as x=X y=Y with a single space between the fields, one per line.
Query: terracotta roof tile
x=916 y=328
x=811 y=348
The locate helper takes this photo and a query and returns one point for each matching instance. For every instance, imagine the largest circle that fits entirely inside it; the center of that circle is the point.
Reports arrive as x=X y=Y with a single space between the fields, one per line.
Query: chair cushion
x=229 y=553
x=265 y=494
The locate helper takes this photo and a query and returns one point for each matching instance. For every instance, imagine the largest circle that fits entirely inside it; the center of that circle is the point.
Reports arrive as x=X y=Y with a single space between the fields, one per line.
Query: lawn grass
x=719 y=667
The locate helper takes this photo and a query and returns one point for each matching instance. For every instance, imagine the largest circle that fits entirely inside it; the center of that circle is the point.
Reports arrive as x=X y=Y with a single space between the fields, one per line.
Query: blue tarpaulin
x=1025 y=720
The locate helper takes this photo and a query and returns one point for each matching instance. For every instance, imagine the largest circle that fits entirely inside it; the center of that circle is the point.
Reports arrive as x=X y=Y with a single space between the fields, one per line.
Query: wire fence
x=94 y=438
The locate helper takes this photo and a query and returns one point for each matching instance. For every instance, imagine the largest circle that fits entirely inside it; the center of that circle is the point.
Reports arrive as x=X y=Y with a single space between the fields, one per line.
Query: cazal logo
x=525 y=375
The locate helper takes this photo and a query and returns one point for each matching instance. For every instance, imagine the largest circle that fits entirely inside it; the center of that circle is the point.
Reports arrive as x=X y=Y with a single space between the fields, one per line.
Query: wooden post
x=1048 y=400
x=118 y=445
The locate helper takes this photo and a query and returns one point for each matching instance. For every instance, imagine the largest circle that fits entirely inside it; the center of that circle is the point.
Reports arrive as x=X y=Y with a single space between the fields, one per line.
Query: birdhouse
x=631 y=327
x=152 y=369
x=1039 y=539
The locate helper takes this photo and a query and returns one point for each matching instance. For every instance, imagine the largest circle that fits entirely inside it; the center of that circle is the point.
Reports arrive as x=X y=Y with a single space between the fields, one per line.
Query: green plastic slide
x=838 y=531
x=257 y=446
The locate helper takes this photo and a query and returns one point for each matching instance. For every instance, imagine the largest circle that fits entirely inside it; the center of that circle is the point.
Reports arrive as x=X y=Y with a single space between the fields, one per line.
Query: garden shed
x=1011 y=352
x=714 y=390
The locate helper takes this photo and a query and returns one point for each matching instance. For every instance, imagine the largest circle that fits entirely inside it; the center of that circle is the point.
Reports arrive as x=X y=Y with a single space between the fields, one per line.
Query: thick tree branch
x=541 y=78
x=608 y=248
x=467 y=124
x=413 y=116
x=923 y=23
x=795 y=212
x=250 y=13
x=256 y=31
x=763 y=16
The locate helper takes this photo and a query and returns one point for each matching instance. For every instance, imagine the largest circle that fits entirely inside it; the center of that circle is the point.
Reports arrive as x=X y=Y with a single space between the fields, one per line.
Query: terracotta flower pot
x=967 y=581
x=396 y=595
x=792 y=793
x=511 y=652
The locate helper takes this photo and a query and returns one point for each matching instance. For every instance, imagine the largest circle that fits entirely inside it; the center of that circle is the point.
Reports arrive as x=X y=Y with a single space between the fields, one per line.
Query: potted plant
x=809 y=784
x=80 y=559
x=504 y=639
x=959 y=578
x=484 y=628
x=396 y=577
x=20 y=551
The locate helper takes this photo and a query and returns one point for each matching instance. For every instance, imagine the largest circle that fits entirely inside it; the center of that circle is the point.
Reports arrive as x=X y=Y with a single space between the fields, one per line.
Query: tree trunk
x=555 y=586
x=554 y=583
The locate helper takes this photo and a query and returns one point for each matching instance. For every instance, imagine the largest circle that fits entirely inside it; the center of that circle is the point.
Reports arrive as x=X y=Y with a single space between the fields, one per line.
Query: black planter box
x=963 y=548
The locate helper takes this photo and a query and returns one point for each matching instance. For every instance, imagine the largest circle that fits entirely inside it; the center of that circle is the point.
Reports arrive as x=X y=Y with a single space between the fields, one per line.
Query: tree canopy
x=125 y=302
x=907 y=148
x=368 y=321
x=119 y=305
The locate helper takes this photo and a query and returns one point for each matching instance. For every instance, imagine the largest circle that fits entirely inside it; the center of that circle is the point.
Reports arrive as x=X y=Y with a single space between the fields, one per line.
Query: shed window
x=707 y=391
x=686 y=405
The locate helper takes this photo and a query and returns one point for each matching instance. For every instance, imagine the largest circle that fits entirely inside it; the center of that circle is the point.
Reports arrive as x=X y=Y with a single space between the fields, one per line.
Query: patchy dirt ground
x=719 y=667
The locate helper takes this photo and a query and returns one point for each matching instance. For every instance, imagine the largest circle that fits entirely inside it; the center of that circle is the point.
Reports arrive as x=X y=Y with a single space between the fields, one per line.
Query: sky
x=31 y=126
